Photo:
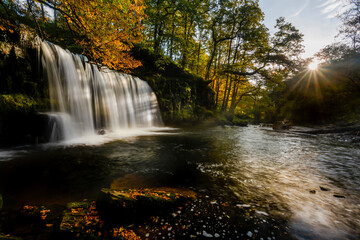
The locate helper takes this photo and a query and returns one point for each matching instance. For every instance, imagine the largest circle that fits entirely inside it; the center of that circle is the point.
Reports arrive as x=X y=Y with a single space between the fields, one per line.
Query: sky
x=316 y=19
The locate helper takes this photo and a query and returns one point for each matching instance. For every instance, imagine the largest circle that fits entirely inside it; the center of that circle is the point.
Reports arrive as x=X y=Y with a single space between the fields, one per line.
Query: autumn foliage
x=106 y=30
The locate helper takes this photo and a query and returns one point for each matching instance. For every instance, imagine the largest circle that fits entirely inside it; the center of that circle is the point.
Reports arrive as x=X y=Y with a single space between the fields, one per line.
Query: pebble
x=205 y=234
x=243 y=205
x=249 y=234
x=262 y=213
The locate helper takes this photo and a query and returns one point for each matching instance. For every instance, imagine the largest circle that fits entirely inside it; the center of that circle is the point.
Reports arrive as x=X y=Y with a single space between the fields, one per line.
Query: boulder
x=81 y=218
x=101 y=132
x=282 y=125
x=131 y=205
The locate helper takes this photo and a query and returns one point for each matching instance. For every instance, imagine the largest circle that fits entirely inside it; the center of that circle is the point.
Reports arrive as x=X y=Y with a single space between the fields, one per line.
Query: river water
x=311 y=183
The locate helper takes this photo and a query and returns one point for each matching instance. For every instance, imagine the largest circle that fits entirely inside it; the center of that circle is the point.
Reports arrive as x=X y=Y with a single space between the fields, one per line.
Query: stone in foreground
x=81 y=218
x=131 y=205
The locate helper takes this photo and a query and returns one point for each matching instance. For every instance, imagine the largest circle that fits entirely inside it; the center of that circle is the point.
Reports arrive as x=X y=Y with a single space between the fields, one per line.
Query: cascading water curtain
x=84 y=99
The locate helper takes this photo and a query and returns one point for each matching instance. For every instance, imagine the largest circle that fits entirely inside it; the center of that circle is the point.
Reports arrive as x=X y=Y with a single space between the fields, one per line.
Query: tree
x=350 y=29
x=334 y=52
x=106 y=30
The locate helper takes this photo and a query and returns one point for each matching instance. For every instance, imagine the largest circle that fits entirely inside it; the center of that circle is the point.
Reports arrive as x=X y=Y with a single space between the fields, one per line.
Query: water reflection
x=281 y=173
x=277 y=173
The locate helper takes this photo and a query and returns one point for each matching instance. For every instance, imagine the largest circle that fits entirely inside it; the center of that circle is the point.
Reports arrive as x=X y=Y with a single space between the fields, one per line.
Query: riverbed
x=309 y=183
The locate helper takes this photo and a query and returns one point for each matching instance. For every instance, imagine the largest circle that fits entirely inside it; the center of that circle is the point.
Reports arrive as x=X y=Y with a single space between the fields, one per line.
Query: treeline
x=332 y=92
x=225 y=42
x=219 y=44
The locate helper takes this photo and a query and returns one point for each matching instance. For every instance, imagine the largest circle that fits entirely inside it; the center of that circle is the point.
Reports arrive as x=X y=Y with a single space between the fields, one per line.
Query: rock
x=324 y=189
x=338 y=196
x=124 y=233
x=282 y=125
x=101 y=132
x=312 y=191
x=133 y=181
x=81 y=218
x=208 y=235
x=130 y=205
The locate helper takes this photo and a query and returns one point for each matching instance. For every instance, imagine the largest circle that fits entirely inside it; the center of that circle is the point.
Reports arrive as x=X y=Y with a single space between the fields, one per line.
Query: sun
x=313 y=65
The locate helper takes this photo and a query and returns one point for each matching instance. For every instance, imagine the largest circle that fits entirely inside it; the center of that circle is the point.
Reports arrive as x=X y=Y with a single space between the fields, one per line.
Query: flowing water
x=85 y=100
x=308 y=186
x=277 y=173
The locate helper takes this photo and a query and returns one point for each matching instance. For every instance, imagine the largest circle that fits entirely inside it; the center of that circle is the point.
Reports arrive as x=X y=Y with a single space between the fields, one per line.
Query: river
x=310 y=182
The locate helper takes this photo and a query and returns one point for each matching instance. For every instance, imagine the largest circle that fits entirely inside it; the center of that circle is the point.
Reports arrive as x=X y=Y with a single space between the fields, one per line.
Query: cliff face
x=22 y=91
x=182 y=96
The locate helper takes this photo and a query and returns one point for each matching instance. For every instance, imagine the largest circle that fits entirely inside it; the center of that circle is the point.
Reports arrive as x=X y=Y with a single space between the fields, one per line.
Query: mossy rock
x=131 y=205
x=81 y=219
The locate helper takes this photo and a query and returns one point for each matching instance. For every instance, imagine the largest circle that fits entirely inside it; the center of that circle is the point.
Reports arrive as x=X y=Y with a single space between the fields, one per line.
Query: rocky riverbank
x=141 y=214
x=344 y=132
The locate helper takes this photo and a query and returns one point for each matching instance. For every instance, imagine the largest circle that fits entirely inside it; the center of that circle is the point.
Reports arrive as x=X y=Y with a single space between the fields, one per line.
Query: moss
x=182 y=96
x=17 y=102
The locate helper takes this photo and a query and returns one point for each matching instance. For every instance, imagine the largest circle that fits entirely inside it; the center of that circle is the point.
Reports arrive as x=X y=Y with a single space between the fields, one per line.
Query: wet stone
x=338 y=196
x=82 y=218
x=131 y=205
x=324 y=189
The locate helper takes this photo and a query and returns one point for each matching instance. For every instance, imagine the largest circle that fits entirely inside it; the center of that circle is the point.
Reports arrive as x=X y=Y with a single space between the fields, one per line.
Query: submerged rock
x=101 y=132
x=282 y=125
x=324 y=189
x=122 y=206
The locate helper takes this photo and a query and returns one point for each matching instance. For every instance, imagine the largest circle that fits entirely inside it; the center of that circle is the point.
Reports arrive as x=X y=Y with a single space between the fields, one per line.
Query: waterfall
x=85 y=99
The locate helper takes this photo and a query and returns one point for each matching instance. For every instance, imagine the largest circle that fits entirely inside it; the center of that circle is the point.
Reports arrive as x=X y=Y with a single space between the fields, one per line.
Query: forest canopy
x=105 y=31
x=225 y=42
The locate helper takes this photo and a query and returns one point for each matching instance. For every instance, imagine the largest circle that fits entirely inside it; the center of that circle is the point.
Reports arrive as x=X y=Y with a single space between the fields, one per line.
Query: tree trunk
x=172 y=39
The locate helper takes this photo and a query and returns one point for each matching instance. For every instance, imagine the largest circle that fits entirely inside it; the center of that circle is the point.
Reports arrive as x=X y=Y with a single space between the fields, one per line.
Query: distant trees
x=330 y=93
x=350 y=29
x=223 y=41
x=226 y=43
x=350 y=33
